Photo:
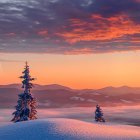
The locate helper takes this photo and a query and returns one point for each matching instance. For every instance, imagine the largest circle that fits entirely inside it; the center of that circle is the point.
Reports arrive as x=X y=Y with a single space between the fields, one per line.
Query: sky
x=77 y=43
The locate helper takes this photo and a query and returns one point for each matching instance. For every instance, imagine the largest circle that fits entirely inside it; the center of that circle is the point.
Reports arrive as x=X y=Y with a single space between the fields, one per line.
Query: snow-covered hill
x=67 y=129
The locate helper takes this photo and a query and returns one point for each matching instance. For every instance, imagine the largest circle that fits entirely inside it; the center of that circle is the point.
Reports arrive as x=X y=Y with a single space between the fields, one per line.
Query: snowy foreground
x=67 y=129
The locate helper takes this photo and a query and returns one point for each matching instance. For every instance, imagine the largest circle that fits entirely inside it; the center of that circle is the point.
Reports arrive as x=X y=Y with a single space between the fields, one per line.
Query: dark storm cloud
x=113 y=7
x=69 y=26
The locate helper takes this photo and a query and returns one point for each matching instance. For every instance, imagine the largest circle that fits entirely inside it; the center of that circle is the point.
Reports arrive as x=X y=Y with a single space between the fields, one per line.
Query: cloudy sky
x=78 y=43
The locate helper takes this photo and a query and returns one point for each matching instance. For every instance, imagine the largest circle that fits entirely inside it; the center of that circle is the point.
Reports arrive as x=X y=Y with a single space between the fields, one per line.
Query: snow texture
x=67 y=129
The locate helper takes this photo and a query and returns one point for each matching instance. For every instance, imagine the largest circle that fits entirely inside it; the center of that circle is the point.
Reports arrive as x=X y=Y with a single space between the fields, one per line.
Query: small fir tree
x=26 y=104
x=99 y=114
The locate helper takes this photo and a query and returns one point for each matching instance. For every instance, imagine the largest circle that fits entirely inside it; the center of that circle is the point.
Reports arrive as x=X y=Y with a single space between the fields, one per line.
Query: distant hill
x=119 y=90
x=18 y=86
x=60 y=96
x=37 y=86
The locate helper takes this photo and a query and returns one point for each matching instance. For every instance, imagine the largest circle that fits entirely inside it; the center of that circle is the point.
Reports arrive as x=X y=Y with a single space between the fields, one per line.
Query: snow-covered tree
x=99 y=114
x=26 y=104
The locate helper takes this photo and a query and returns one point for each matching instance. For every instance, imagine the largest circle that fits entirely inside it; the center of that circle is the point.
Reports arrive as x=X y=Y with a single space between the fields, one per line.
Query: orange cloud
x=43 y=33
x=100 y=28
x=134 y=40
x=79 y=51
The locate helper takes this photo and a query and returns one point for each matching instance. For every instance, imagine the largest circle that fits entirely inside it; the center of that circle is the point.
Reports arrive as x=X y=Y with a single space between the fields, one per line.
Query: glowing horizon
x=88 y=44
x=76 y=71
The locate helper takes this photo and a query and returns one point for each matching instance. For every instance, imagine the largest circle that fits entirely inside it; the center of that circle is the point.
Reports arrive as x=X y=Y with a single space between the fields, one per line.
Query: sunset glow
x=76 y=71
x=77 y=43
x=104 y=28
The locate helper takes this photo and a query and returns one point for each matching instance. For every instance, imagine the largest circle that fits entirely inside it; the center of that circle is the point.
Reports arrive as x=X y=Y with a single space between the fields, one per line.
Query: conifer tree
x=26 y=104
x=99 y=114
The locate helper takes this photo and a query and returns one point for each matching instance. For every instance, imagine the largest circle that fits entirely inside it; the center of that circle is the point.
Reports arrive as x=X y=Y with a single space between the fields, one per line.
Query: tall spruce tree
x=26 y=104
x=99 y=114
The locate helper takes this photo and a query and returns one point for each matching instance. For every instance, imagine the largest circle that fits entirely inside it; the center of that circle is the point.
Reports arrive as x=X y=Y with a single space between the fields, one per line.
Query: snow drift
x=67 y=129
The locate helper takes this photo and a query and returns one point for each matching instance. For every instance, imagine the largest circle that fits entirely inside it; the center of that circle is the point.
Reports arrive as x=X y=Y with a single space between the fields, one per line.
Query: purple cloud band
x=69 y=27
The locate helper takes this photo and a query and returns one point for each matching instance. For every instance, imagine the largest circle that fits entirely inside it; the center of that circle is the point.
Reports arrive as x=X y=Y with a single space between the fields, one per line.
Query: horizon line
x=72 y=87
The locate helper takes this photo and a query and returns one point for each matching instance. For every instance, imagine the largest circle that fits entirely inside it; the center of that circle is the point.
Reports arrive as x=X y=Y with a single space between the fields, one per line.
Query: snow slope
x=67 y=129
